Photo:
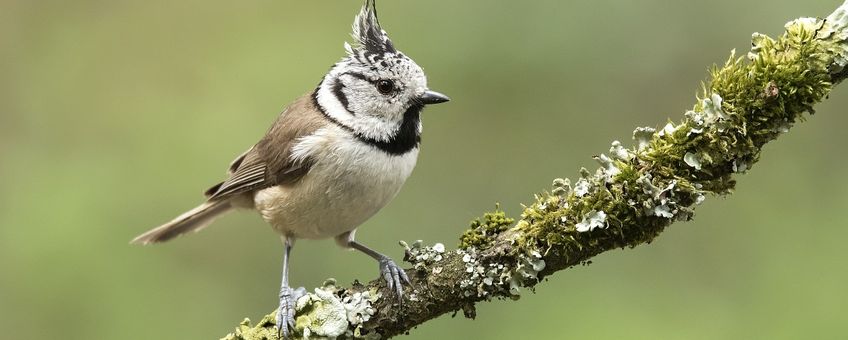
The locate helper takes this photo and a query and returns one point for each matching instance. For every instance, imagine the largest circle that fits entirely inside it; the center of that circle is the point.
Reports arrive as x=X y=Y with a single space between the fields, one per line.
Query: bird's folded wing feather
x=247 y=173
x=268 y=163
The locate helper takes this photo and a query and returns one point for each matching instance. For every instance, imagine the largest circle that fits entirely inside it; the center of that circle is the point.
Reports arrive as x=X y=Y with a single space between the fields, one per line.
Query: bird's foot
x=285 y=314
x=394 y=275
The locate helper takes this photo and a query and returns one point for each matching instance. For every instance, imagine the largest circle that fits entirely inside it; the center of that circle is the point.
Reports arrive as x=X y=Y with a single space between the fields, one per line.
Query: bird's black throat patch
x=403 y=141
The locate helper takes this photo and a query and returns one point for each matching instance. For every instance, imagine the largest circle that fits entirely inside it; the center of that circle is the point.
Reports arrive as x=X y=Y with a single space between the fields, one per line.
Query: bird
x=331 y=160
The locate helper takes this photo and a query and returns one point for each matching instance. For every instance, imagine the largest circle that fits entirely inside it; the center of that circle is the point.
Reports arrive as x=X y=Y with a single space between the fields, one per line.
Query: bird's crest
x=369 y=36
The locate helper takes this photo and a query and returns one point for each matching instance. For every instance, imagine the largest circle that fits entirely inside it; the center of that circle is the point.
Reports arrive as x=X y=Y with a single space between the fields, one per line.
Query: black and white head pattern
x=374 y=91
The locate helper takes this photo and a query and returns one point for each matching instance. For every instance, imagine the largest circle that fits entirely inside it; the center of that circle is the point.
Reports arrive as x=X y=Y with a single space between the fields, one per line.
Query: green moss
x=483 y=231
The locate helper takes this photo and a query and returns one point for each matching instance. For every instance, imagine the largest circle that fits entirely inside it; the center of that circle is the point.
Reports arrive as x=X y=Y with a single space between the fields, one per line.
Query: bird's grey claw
x=394 y=275
x=285 y=314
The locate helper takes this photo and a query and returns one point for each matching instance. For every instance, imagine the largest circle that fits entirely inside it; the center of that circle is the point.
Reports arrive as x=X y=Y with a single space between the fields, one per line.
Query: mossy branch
x=635 y=194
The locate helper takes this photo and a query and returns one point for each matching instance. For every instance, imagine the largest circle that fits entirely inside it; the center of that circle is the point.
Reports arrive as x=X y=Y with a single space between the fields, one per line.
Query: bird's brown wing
x=268 y=163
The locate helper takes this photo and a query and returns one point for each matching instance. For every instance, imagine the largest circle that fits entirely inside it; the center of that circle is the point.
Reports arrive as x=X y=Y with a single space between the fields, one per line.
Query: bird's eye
x=385 y=86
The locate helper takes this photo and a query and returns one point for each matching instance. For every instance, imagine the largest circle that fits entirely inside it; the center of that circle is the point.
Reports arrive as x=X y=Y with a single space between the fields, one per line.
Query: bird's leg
x=288 y=296
x=393 y=274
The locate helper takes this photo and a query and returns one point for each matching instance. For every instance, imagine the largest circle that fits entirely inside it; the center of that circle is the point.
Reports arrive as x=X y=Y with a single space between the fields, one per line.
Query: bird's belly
x=340 y=192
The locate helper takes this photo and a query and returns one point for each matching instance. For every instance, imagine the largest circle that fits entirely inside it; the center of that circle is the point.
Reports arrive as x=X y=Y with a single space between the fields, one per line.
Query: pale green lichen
x=360 y=309
x=609 y=166
x=264 y=330
x=326 y=313
x=619 y=152
x=837 y=30
x=643 y=137
x=474 y=271
x=321 y=314
x=526 y=270
x=668 y=130
x=423 y=257
x=592 y=220
x=581 y=188
x=692 y=159
x=487 y=280
x=561 y=187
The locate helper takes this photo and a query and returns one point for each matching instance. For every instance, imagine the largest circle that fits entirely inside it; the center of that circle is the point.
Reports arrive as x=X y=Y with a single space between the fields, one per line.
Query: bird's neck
x=396 y=138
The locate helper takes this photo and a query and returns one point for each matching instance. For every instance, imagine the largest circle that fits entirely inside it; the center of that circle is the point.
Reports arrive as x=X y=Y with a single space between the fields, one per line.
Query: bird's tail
x=191 y=221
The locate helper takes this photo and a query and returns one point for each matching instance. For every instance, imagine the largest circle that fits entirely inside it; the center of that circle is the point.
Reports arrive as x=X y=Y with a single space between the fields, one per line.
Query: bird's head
x=374 y=88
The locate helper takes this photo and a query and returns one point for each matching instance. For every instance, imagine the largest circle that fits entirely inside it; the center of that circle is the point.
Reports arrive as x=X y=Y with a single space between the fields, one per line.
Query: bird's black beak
x=433 y=97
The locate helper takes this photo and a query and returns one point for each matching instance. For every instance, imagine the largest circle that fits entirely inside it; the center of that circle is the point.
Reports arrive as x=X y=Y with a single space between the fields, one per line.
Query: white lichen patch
x=697 y=160
x=693 y=160
x=608 y=167
x=668 y=130
x=838 y=20
x=712 y=108
x=561 y=187
x=439 y=248
x=359 y=307
x=582 y=187
x=662 y=199
x=835 y=28
x=423 y=256
x=326 y=315
x=619 y=152
x=486 y=280
x=482 y=280
x=664 y=210
x=699 y=118
x=643 y=137
x=712 y=115
x=528 y=268
x=472 y=269
x=321 y=314
x=592 y=220
x=493 y=278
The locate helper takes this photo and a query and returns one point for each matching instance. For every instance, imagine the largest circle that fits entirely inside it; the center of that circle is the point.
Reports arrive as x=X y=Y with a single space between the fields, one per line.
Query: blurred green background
x=116 y=115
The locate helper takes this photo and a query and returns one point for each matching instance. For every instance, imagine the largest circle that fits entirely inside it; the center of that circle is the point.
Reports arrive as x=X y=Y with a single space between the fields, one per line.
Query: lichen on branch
x=630 y=199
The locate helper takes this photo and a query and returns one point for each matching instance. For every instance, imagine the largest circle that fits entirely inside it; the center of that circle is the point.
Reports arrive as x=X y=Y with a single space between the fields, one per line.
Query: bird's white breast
x=347 y=184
